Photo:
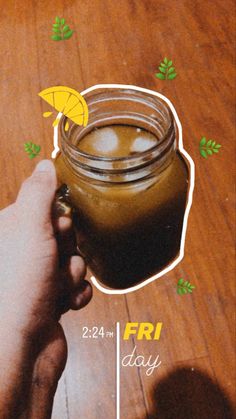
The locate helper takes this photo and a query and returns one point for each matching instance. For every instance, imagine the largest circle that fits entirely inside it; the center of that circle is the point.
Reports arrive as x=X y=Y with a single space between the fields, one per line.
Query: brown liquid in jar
x=127 y=232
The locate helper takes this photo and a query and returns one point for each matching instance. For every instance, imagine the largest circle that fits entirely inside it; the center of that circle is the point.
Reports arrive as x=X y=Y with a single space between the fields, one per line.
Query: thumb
x=36 y=195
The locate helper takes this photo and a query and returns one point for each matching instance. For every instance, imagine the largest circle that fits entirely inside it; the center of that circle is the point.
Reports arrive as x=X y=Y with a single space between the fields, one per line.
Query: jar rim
x=152 y=100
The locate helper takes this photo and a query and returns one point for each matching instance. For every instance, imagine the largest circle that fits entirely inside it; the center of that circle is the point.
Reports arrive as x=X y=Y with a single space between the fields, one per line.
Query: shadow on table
x=190 y=394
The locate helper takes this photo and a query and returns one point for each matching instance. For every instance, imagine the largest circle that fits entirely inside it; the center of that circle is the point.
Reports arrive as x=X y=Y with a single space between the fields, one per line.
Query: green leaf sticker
x=184 y=287
x=208 y=148
x=172 y=76
x=203 y=153
x=61 y=30
x=203 y=141
x=56 y=37
x=160 y=76
x=32 y=149
x=68 y=35
x=167 y=70
x=66 y=28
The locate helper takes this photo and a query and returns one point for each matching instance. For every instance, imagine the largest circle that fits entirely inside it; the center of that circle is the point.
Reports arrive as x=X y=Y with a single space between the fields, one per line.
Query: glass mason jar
x=128 y=211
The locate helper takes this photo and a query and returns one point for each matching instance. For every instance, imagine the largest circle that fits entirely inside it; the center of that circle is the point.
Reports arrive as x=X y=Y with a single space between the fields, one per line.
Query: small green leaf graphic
x=32 y=149
x=203 y=153
x=167 y=70
x=208 y=148
x=172 y=76
x=203 y=141
x=56 y=37
x=184 y=287
x=160 y=76
x=180 y=281
x=68 y=35
x=66 y=28
x=61 y=30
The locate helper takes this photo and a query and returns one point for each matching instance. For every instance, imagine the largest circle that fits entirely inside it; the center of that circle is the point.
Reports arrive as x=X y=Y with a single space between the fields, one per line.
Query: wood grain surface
x=123 y=42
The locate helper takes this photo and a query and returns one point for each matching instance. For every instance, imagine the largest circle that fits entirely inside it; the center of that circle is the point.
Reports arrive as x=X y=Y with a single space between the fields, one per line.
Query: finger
x=77 y=271
x=62 y=224
x=67 y=246
x=72 y=273
x=76 y=299
x=71 y=278
x=37 y=193
x=82 y=296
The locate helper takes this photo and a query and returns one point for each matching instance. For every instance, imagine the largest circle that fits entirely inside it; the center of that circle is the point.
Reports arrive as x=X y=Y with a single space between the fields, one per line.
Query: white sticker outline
x=180 y=147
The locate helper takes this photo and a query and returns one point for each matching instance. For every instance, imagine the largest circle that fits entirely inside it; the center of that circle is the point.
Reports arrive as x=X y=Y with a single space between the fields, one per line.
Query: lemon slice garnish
x=67 y=101
x=47 y=114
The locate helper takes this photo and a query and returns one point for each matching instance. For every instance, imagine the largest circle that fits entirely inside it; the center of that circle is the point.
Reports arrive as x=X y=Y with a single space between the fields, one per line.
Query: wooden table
x=124 y=42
